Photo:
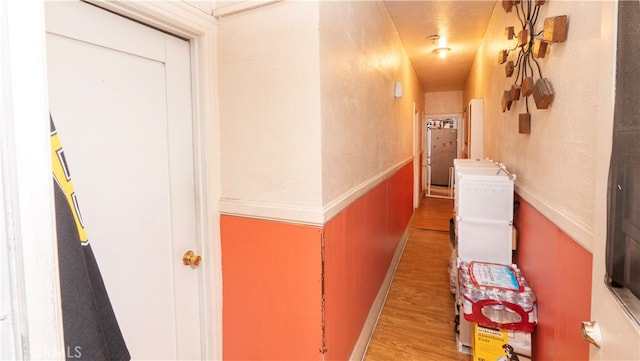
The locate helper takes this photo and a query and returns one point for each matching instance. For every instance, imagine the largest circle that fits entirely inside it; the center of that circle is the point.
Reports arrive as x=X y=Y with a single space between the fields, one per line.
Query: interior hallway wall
x=559 y=271
x=360 y=243
x=367 y=145
x=449 y=102
x=272 y=297
x=315 y=151
x=555 y=167
x=555 y=164
x=365 y=129
x=270 y=112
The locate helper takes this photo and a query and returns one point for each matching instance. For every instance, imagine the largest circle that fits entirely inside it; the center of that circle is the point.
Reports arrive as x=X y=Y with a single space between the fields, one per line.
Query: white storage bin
x=458 y=161
x=484 y=193
x=484 y=241
x=466 y=168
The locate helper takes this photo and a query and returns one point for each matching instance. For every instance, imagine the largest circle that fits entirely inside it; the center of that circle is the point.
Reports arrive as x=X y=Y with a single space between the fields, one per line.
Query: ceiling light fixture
x=442 y=52
x=442 y=48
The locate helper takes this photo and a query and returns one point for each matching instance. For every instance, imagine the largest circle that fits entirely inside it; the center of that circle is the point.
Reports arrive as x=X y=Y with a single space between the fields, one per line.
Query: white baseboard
x=360 y=348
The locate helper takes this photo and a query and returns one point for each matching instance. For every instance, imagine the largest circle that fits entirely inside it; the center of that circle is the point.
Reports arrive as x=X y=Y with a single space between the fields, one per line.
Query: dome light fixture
x=442 y=52
x=442 y=48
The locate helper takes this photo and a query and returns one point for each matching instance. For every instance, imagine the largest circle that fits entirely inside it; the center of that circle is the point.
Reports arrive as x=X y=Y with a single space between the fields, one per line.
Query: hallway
x=417 y=320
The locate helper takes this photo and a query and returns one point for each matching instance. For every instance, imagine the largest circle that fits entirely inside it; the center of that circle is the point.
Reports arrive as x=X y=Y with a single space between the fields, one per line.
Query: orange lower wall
x=359 y=245
x=559 y=271
x=271 y=290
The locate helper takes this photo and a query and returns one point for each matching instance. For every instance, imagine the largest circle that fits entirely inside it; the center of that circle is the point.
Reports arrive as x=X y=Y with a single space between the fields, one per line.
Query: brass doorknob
x=191 y=259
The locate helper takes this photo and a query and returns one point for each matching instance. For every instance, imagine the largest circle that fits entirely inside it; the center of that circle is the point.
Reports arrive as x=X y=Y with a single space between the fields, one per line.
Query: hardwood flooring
x=417 y=320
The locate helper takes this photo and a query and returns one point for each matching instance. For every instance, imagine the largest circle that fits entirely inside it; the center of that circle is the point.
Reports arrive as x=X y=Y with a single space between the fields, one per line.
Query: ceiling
x=462 y=23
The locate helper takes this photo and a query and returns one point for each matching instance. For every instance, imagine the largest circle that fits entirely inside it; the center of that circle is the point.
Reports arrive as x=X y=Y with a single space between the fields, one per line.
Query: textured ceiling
x=463 y=23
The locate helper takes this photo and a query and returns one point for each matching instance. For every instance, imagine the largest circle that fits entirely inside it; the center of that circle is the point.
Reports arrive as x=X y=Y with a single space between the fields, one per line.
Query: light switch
x=397 y=89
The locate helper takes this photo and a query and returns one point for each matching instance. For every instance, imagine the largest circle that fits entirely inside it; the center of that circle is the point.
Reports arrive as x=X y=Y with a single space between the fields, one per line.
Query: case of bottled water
x=496 y=295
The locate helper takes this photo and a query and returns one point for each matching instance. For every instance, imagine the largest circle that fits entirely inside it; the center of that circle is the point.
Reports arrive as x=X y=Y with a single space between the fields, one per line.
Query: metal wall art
x=529 y=45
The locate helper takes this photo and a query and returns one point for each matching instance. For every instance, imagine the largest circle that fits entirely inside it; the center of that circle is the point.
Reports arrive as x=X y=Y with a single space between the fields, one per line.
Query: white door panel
x=120 y=99
x=620 y=338
x=147 y=43
x=620 y=333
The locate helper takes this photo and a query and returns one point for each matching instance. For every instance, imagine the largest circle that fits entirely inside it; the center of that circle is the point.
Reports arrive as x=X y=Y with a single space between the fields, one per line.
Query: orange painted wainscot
x=274 y=276
x=559 y=271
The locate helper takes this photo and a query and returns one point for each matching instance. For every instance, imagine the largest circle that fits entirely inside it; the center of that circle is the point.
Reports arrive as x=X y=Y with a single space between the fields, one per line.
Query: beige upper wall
x=365 y=130
x=308 y=117
x=449 y=102
x=556 y=163
x=269 y=104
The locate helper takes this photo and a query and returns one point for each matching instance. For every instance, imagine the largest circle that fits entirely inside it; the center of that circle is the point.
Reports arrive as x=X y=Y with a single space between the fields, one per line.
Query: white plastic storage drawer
x=468 y=168
x=485 y=194
x=458 y=161
x=463 y=168
x=484 y=241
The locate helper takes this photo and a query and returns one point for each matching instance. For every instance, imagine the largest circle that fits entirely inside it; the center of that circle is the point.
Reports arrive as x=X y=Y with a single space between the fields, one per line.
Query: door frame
x=417 y=156
x=425 y=141
x=38 y=317
x=186 y=21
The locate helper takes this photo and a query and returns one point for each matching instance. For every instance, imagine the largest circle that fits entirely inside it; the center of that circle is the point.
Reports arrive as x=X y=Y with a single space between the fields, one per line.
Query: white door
x=425 y=154
x=620 y=334
x=416 y=157
x=120 y=97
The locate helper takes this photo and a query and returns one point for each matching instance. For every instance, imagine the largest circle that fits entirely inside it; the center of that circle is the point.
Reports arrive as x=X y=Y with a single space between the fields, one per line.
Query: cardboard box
x=491 y=344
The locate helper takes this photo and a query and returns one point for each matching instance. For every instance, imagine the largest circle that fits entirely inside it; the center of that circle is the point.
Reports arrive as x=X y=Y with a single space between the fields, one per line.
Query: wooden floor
x=417 y=321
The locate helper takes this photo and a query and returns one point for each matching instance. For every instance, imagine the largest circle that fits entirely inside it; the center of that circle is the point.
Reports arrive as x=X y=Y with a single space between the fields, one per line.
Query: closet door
x=120 y=97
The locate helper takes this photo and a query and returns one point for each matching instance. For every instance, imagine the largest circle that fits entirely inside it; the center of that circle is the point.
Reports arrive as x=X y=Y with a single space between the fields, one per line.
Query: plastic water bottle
x=526 y=299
